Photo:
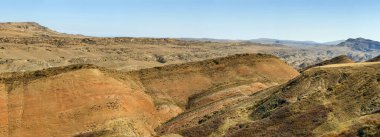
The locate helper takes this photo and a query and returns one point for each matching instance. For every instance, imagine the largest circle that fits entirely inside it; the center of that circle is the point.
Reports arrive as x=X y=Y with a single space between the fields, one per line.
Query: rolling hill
x=376 y=59
x=28 y=29
x=28 y=46
x=332 y=100
x=337 y=60
x=86 y=100
x=56 y=84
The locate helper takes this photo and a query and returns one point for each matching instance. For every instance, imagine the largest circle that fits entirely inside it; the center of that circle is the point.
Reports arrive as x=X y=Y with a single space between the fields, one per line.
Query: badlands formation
x=85 y=99
x=60 y=85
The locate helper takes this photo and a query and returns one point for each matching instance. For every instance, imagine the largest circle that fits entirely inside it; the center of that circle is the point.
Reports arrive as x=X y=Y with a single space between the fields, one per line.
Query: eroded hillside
x=337 y=60
x=333 y=100
x=28 y=46
x=55 y=84
x=85 y=100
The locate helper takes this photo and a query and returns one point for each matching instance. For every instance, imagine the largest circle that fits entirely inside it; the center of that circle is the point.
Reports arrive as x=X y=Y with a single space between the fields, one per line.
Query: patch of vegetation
x=209 y=116
x=88 y=41
x=283 y=122
x=39 y=73
x=203 y=130
x=369 y=131
x=160 y=59
x=265 y=109
x=216 y=62
x=94 y=133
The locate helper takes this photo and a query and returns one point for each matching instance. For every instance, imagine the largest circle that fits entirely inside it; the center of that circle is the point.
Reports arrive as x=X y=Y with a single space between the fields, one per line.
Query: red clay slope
x=332 y=100
x=85 y=100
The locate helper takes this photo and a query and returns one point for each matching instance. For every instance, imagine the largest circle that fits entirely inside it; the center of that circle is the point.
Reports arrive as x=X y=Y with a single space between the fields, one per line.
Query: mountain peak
x=361 y=44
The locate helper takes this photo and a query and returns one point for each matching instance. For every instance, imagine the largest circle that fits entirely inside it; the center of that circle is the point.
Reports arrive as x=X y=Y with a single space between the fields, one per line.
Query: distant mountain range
x=209 y=39
x=293 y=42
x=269 y=41
x=358 y=44
x=334 y=42
x=361 y=44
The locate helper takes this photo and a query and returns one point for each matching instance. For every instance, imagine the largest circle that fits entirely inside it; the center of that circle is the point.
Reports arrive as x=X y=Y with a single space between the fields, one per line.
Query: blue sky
x=317 y=20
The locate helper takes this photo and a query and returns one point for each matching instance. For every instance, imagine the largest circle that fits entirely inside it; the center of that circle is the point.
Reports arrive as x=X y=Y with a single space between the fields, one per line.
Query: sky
x=316 y=20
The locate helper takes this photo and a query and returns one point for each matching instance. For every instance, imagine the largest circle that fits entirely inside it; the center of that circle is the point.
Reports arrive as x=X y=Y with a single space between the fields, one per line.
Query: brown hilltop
x=27 y=46
x=376 y=59
x=33 y=33
x=26 y=29
x=86 y=100
x=336 y=60
x=333 y=100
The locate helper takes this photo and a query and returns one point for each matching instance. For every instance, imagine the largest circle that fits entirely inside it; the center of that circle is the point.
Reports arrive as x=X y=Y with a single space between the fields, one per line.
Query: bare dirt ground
x=29 y=46
x=120 y=56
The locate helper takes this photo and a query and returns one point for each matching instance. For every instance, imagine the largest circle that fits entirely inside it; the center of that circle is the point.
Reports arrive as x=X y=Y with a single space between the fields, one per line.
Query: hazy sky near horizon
x=317 y=20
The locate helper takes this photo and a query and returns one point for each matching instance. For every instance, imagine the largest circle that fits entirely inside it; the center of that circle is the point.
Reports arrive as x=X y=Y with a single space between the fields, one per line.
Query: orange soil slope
x=333 y=100
x=79 y=101
x=179 y=82
x=85 y=100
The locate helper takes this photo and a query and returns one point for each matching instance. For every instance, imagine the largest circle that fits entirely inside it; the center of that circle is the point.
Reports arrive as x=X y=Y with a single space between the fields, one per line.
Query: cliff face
x=85 y=100
x=333 y=100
